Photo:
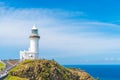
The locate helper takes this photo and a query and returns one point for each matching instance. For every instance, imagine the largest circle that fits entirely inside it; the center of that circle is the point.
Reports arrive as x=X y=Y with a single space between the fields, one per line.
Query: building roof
x=34 y=27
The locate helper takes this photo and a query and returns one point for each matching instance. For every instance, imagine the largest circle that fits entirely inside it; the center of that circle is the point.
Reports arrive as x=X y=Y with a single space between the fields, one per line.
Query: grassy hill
x=2 y=66
x=45 y=70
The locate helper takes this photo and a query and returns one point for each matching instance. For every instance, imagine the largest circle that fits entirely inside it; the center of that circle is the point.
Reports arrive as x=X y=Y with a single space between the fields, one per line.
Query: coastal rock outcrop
x=45 y=70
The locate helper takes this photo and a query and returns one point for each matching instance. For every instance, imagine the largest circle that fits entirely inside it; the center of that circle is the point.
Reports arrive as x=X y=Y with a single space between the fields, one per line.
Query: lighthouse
x=33 y=50
x=34 y=42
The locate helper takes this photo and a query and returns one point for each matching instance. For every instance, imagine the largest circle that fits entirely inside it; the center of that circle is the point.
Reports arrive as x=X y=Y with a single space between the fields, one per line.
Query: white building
x=33 y=50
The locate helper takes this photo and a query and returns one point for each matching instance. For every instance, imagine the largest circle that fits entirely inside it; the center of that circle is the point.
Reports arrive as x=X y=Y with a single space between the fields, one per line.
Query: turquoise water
x=104 y=72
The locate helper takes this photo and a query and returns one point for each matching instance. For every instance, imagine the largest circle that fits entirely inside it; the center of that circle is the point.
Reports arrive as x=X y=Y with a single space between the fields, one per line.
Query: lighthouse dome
x=34 y=27
x=34 y=30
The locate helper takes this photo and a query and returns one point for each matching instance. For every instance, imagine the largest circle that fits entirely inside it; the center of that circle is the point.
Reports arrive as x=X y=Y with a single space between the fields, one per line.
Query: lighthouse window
x=34 y=31
x=31 y=56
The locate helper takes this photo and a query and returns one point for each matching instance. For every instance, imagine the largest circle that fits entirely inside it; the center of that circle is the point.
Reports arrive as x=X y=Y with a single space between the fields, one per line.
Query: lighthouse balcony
x=34 y=36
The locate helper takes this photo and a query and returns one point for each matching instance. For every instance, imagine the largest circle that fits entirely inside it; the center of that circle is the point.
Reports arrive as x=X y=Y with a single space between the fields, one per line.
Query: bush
x=2 y=66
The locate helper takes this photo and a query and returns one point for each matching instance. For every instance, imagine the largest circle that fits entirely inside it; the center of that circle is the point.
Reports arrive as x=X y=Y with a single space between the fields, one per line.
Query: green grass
x=15 y=78
x=2 y=66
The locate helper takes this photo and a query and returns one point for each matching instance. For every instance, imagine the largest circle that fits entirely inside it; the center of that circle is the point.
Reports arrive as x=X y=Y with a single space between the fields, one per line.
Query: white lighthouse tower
x=34 y=42
x=33 y=50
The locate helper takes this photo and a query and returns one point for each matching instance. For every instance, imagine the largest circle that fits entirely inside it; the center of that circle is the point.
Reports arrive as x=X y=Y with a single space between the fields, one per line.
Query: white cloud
x=109 y=59
x=57 y=32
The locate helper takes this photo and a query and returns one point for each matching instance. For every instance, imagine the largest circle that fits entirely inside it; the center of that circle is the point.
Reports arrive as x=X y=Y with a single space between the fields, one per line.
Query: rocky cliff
x=45 y=70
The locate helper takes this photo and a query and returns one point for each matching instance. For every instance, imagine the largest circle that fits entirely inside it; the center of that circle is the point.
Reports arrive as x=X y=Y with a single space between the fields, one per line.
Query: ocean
x=104 y=72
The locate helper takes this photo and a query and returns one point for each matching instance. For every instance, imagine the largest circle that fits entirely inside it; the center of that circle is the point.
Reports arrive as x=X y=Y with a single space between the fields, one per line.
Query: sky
x=72 y=31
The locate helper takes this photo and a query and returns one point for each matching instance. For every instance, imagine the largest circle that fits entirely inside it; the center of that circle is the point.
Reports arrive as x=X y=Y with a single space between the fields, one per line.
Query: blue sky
x=72 y=31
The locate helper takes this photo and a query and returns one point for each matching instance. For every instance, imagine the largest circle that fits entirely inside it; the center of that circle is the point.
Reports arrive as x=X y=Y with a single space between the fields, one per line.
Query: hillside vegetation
x=45 y=70
x=2 y=66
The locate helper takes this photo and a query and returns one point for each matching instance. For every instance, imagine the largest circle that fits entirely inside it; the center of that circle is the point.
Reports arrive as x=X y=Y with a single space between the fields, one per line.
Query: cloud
x=59 y=31
x=112 y=59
